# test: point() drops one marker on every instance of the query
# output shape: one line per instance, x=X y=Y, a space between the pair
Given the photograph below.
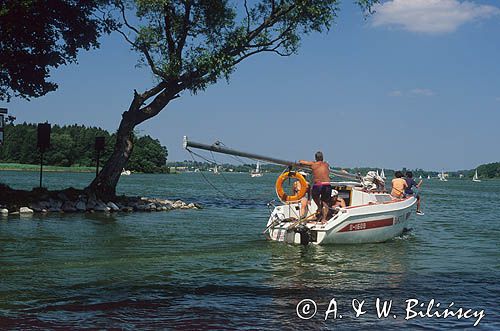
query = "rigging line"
x=206 y=179
x=211 y=162
x=233 y=156
x=225 y=179
x=200 y=156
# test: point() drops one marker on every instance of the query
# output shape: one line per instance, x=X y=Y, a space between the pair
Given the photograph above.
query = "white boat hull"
x=371 y=223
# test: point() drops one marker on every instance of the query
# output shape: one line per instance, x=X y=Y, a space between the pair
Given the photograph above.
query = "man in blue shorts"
x=321 y=190
x=409 y=191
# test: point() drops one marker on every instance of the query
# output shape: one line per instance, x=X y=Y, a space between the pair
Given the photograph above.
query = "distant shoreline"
x=46 y=168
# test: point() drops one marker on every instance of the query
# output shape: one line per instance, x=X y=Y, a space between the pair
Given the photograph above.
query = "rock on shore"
x=77 y=201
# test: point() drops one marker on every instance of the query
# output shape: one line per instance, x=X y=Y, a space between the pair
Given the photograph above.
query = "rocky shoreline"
x=18 y=202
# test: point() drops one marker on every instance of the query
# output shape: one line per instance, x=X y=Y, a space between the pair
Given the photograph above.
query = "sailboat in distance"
x=442 y=177
x=382 y=174
x=256 y=172
x=476 y=178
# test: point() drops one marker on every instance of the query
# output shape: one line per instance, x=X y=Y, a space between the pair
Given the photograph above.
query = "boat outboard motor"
x=305 y=234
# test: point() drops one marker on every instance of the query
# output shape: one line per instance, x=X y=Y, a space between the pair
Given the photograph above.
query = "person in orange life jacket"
x=398 y=185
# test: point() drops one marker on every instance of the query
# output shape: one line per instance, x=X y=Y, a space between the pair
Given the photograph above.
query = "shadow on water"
x=103 y=218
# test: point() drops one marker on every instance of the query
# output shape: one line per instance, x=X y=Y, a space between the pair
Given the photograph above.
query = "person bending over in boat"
x=398 y=185
x=337 y=202
x=410 y=182
x=321 y=190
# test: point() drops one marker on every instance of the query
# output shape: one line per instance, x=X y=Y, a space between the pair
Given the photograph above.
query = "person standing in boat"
x=410 y=182
x=322 y=189
x=305 y=201
x=398 y=185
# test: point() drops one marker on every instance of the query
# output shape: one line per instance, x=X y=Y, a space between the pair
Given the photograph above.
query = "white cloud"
x=395 y=93
x=430 y=16
x=422 y=91
x=414 y=92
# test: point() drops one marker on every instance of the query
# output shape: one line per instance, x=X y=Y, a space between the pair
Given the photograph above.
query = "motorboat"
x=369 y=217
x=125 y=172
x=371 y=214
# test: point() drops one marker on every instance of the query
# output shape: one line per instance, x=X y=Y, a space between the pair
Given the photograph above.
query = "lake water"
x=213 y=269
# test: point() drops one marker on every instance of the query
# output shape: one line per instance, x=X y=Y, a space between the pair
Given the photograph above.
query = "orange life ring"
x=279 y=186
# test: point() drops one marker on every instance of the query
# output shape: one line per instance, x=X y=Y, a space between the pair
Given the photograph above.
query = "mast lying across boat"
x=216 y=147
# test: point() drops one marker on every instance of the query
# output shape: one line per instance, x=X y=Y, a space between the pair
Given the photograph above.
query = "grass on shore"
x=36 y=167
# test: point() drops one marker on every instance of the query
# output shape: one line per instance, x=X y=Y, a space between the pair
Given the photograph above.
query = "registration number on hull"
x=357 y=226
x=368 y=225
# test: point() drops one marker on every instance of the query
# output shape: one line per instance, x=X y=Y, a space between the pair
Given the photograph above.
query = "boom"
x=216 y=147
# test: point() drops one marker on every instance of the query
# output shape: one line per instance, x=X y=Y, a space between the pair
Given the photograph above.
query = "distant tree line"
x=73 y=145
x=206 y=166
x=490 y=170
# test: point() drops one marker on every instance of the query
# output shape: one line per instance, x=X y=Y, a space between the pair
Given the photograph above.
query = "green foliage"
x=36 y=167
x=194 y=43
x=38 y=35
x=490 y=170
x=73 y=146
x=148 y=156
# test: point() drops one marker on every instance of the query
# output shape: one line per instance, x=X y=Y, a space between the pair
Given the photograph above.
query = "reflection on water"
x=213 y=269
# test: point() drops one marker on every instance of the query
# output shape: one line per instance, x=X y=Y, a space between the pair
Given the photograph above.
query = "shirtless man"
x=321 y=190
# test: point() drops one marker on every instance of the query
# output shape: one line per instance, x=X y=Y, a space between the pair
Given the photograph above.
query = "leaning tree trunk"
x=104 y=185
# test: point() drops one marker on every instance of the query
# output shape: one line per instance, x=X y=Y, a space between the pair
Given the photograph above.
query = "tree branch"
x=150 y=61
x=153 y=91
x=168 y=31
x=133 y=44
x=185 y=28
x=271 y=42
x=167 y=94
x=270 y=21
x=248 y=17
x=122 y=10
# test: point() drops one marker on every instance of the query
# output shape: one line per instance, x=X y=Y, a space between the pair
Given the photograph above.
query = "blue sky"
x=417 y=85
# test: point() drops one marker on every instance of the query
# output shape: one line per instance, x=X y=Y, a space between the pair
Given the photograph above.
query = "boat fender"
x=280 y=192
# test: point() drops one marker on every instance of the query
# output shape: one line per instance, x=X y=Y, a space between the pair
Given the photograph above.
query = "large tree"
x=190 y=44
x=39 y=35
